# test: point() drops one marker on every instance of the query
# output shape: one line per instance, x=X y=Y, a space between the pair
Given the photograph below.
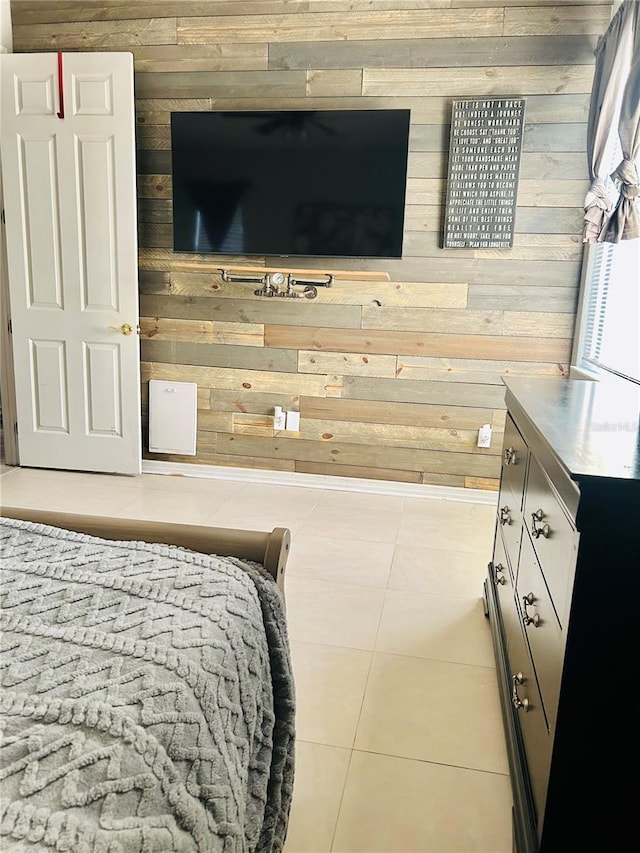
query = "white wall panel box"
x=173 y=414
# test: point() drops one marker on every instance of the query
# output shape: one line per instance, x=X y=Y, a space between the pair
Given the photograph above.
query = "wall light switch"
x=293 y=421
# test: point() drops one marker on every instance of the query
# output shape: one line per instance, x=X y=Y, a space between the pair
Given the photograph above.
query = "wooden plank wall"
x=392 y=379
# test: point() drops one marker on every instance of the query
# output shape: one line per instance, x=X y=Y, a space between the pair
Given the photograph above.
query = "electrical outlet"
x=279 y=418
x=484 y=436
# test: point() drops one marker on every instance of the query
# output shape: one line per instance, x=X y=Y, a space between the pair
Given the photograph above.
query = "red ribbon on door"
x=60 y=87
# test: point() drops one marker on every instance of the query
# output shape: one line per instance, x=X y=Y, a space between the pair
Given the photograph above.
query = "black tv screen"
x=287 y=183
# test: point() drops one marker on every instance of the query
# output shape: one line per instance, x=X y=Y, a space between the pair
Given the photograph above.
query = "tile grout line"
x=355 y=735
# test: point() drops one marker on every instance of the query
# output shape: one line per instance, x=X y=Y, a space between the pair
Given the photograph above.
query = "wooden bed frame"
x=271 y=550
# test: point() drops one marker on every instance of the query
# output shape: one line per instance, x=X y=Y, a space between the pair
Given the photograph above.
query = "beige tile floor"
x=400 y=744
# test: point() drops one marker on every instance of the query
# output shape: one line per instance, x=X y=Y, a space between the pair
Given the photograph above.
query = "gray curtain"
x=624 y=223
x=615 y=107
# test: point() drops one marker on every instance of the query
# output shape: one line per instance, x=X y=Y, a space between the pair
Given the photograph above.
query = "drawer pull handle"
x=517 y=701
x=505 y=515
x=536 y=531
x=509 y=456
x=498 y=574
x=530 y=620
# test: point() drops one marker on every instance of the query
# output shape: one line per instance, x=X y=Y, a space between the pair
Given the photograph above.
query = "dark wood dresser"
x=563 y=597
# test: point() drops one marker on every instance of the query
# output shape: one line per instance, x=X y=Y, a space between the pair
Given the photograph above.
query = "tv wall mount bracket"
x=278 y=284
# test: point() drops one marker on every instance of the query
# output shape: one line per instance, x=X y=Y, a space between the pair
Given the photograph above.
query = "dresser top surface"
x=593 y=428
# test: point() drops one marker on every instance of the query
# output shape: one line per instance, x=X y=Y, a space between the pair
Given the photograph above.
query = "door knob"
x=124 y=329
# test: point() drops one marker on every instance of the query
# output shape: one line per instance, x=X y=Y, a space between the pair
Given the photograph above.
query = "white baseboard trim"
x=320 y=481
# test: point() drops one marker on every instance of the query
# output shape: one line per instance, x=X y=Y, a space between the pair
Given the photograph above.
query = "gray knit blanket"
x=147 y=700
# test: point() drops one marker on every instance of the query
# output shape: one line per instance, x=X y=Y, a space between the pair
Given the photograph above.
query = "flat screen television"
x=290 y=183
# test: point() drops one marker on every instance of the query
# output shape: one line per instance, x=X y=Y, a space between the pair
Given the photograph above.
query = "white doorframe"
x=7 y=377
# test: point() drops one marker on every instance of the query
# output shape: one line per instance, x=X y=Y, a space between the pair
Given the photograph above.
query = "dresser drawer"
x=527 y=708
x=554 y=538
x=509 y=523
x=505 y=589
x=542 y=629
x=514 y=462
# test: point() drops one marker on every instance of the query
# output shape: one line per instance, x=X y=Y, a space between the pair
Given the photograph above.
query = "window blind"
x=601 y=263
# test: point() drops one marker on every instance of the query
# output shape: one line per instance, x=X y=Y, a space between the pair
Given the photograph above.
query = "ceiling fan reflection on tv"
x=291 y=123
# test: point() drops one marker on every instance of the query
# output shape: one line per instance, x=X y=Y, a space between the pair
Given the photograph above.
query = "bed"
x=147 y=700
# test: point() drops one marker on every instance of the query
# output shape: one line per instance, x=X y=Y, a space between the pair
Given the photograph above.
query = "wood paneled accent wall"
x=392 y=379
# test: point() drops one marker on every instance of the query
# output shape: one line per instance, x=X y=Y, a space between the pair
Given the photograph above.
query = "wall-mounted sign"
x=484 y=163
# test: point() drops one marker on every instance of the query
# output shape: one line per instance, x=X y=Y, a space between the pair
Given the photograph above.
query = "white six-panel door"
x=70 y=207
